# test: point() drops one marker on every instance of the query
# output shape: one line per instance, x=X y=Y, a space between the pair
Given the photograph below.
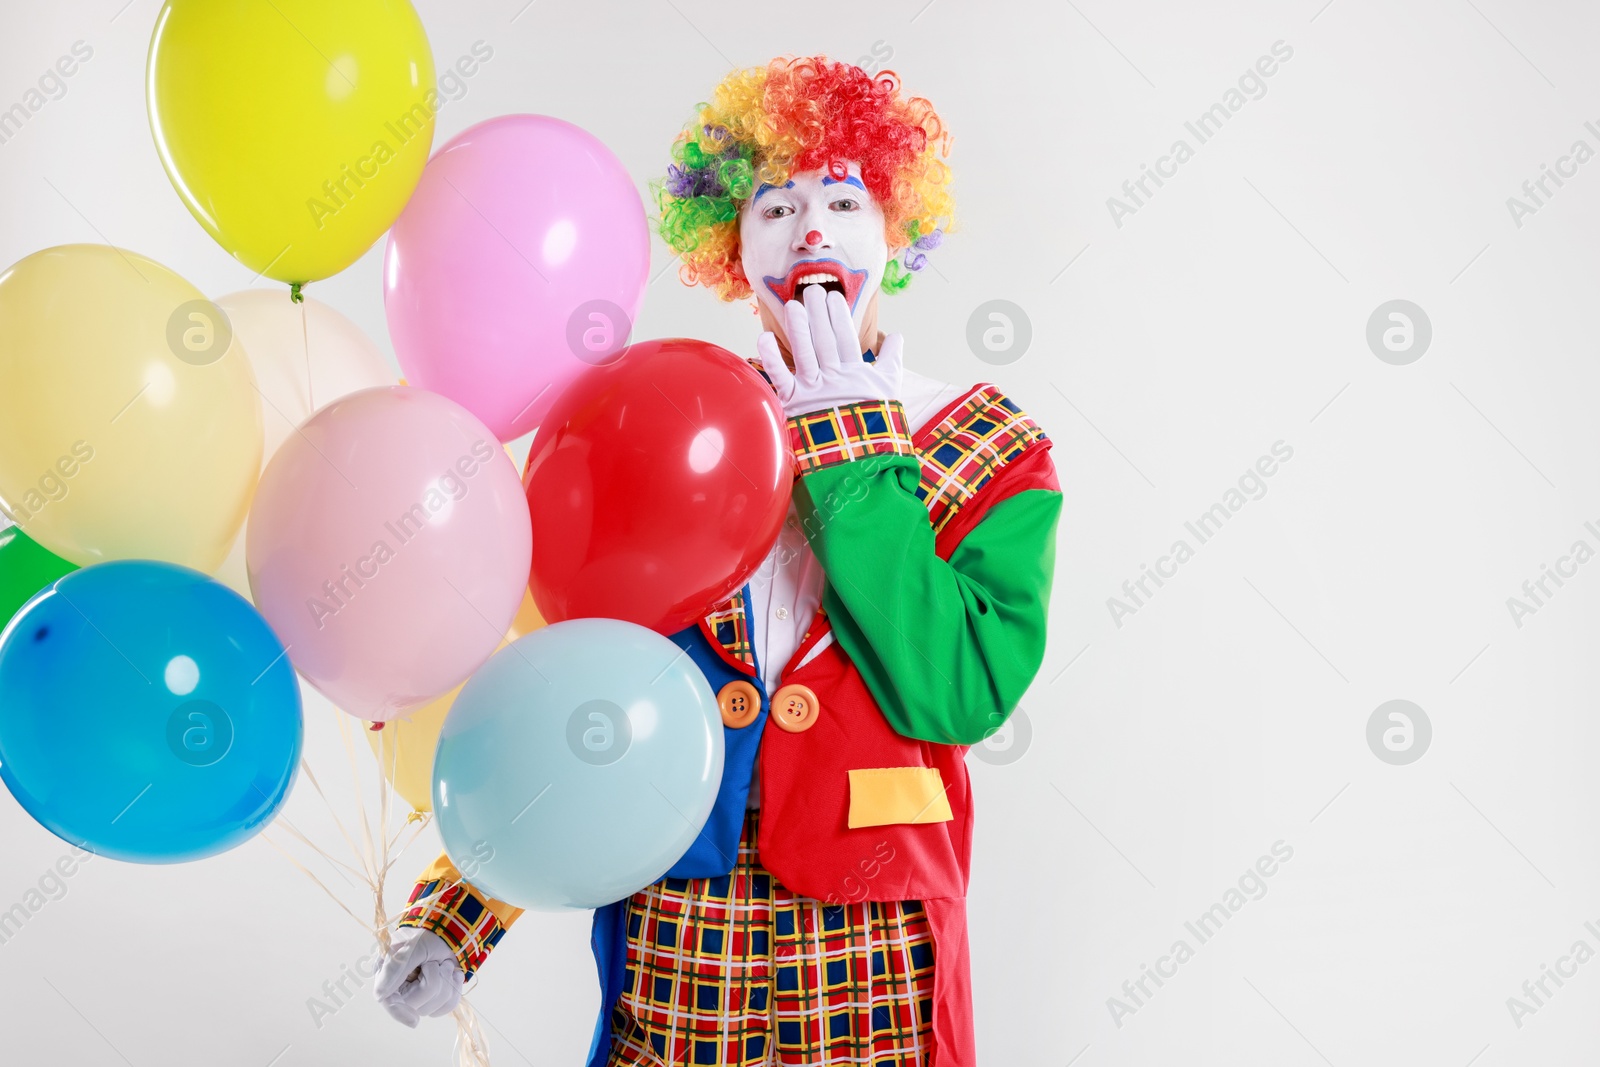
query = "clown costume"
x=820 y=915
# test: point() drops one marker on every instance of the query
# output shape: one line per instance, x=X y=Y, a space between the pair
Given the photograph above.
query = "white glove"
x=828 y=368
x=419 y=976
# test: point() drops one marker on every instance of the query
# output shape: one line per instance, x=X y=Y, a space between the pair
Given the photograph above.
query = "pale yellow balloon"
x=405 y=748
x=528 y=618
x=130 y=426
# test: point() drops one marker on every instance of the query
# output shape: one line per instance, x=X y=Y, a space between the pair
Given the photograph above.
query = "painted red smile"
x=831 y=274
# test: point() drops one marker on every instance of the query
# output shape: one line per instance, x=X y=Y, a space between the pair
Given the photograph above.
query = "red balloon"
x=657 y=484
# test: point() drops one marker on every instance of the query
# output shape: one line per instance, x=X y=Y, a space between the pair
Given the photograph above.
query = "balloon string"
x=306 y=766
x=361 y=805
x=471 y=1043
x=425 y=819
x=323 y=885
x=305 y=345
x=333 y=860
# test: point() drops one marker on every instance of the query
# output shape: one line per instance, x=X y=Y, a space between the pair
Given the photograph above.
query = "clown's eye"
x=845 y=205
x=777 y=211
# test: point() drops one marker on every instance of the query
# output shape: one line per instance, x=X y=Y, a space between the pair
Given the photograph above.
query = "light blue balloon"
x=147 y=713
x=577 y=765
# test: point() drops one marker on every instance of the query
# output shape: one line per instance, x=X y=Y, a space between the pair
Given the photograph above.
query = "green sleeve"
x=946 y=648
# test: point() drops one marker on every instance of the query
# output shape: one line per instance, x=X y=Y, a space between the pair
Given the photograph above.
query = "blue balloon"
x=577 y=765
x=147 y=713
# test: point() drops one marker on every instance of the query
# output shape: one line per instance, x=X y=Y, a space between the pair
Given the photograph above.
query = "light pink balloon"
x=389 y=547
x=510 y=268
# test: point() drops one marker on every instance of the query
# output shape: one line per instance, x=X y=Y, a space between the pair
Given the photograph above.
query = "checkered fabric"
x=967 y=447
x=737 y=970
x=457 y=915
x=957 y=457
x=728 y=627
x=837 y=435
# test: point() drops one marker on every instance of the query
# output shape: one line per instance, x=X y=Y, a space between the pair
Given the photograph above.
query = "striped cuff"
x=850 y=431
x=460 y=917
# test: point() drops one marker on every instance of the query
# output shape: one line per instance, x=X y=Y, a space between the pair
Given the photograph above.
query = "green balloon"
x=25 y=568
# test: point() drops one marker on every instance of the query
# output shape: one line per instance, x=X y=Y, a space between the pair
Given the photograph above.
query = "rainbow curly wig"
x=764 y=124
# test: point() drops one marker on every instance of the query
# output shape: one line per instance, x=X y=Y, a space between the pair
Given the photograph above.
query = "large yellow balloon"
x=130 y=425
x=405 y=746
x=294 y=130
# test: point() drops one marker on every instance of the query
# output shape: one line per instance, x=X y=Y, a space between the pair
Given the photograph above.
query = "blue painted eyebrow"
x=765 y=187
x=851 y=180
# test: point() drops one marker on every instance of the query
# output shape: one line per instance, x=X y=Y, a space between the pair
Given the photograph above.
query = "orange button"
x=795 y=708
x=740 y=703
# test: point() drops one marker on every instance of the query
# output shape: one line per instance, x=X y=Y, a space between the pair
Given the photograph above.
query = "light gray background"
x=1168 y=354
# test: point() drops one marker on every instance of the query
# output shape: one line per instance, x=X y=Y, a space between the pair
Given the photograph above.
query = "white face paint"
x=814 y=228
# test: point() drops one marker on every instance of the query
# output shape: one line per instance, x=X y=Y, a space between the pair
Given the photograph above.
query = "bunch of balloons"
x=206 y=498
x=147 y=712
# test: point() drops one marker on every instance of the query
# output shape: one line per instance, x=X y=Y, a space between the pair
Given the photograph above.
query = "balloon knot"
x=415 y=816
x=295 y=293
x=375 y=727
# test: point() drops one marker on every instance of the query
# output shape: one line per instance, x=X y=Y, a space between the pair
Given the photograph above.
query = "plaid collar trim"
x=728 y=630
x=961 y=452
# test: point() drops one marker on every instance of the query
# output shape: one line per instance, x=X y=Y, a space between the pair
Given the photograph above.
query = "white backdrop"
x=1174 y=341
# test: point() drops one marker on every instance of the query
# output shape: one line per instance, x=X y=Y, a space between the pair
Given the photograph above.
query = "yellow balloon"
x=294 y=130
x=528 y=618
x=130 y=425
x=405 y=747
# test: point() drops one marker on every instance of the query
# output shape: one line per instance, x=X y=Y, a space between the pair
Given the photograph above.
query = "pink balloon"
x=519 y=262
x=389 y=547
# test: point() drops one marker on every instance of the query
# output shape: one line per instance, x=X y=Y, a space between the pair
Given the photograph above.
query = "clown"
x=820 y=916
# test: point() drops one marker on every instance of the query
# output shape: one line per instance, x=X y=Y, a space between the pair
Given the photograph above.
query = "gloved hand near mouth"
x=829 y=370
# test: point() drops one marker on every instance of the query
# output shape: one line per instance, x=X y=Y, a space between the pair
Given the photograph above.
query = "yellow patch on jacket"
x=884 y=796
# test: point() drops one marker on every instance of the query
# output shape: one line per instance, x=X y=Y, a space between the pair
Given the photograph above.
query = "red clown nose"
x=814 y=237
